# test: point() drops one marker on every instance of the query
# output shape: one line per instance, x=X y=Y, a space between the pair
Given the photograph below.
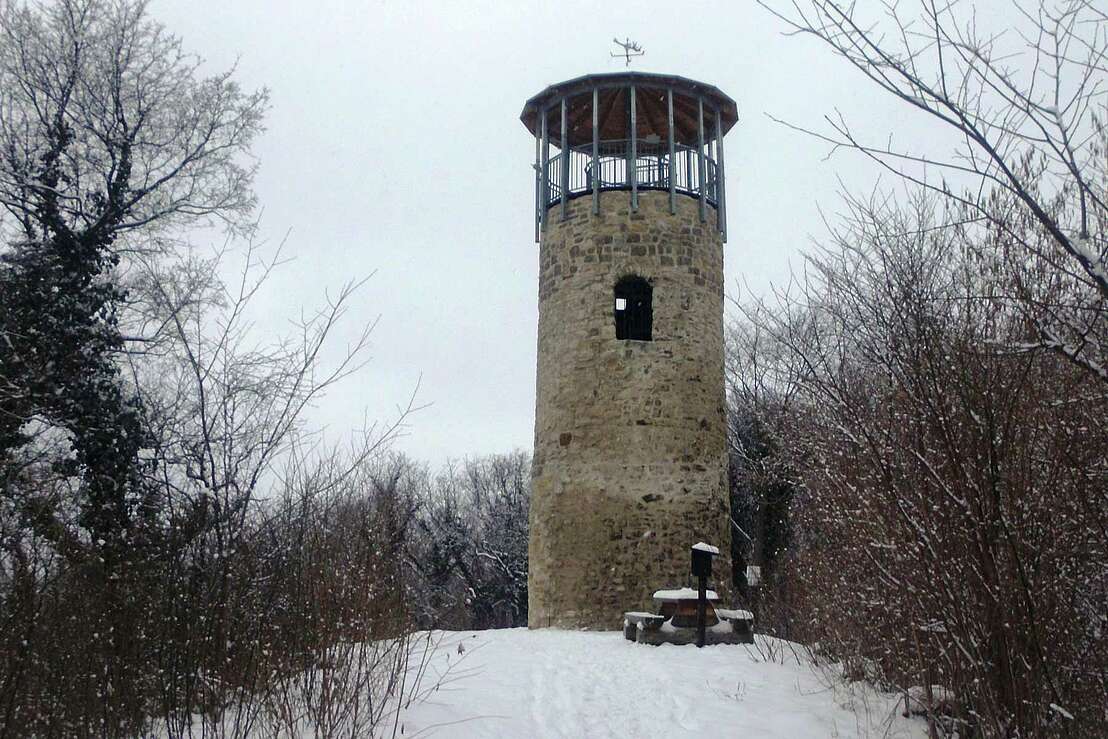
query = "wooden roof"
x=613 y=107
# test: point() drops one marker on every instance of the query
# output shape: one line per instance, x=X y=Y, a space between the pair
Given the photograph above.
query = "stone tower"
x=630 y=460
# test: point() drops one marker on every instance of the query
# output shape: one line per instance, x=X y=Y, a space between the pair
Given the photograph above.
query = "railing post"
x=545 y=168
x=538 y=185
x=565 y=162
x=595 y=152
x=632 y=173
x=700 y=155
x=672 y=157
x=721 y=192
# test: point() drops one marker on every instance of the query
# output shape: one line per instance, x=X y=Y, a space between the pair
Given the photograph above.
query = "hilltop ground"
x=550 y=683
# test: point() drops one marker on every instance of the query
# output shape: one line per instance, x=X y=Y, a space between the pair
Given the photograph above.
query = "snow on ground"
x=550 y=683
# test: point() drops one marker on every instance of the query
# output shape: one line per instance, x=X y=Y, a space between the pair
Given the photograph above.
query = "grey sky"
x=394 y=146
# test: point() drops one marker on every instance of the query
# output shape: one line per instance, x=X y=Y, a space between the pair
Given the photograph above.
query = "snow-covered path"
x=550 y=683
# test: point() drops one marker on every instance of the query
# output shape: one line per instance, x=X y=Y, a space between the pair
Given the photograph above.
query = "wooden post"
x=701 y=609
x=929 y=693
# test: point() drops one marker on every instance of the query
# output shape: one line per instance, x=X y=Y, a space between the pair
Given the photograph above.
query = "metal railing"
x=653 y=170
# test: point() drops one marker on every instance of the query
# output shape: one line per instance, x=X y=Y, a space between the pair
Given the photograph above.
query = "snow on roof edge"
x=683 y=594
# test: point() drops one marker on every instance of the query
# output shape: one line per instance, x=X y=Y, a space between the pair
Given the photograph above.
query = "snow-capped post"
x=702 y=569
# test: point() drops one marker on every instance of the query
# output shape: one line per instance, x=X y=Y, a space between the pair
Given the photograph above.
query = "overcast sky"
x=394 y=148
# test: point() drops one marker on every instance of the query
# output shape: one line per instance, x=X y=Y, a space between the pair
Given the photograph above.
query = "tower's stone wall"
x=630 y=462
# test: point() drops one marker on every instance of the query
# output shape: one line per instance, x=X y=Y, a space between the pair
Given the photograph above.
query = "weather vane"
x=630 y=49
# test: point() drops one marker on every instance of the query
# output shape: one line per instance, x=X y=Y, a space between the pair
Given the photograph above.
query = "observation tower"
x=630 y=458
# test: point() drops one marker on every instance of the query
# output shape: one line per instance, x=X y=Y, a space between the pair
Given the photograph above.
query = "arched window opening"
x=634 y=310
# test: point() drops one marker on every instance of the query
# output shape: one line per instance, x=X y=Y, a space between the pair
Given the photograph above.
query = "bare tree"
x=109 y=128
x=142 y=420
x=951 y=522
x=761 y=472
x=109 y=137
x=470 y=553
x=1027 y=106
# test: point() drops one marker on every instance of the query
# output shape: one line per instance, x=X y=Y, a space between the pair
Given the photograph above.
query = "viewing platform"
x=629 y=131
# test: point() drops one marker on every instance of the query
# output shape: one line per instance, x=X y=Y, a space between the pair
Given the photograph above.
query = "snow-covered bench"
x=741 y=621
x=635 y=620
